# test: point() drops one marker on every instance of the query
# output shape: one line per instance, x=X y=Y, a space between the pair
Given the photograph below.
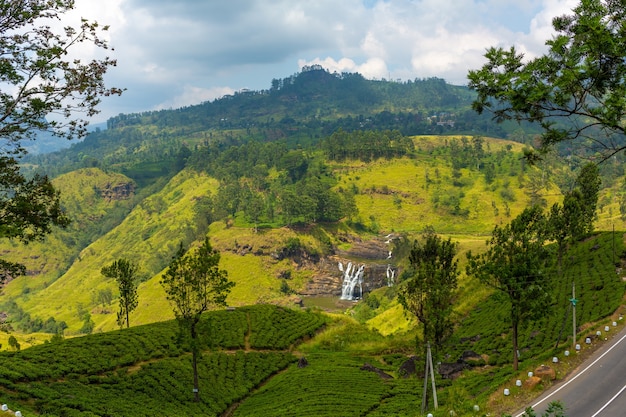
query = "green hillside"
x=287 y=183
x=401 y=195
x=143 y=371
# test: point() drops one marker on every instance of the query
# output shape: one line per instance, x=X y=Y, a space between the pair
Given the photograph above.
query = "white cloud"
x=175 y=52
x=194 y=95
x=541 y=25
x=373 y=68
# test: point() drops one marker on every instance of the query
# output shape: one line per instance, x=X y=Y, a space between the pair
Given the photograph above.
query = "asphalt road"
x=597 y=388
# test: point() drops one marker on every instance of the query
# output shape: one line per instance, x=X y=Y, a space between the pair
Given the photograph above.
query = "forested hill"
x=324 y=100
x=282 y=180
x=298 y=111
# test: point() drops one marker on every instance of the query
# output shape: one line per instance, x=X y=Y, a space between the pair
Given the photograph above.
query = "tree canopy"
x=513 y=265
x=42 y=88
x=124 y=273
x=575 y=91
x=40 y=76
x=429 y=290
x=194 y=283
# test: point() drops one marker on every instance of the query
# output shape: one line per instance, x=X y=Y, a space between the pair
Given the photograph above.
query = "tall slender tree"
x=429 y=290
x=124 y=273
x=194 y=284
x=589 y=182
x=573 y=219
x=513 y=265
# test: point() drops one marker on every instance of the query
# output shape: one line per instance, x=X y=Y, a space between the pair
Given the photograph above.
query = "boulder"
x=380 y=372
x=545 y=372
x=408 y=367
x=472 y=358
x=451 y=370
x=532 y=382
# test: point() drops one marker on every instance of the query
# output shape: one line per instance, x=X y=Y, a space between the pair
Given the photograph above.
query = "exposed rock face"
x=468 y=359
x=408 y=367
x=374 y=254
x=329 y=279
x=119 y=191
x=373 y=250
x=452 y=370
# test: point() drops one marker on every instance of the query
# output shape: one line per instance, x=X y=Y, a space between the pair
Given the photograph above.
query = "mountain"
x=318 y=171
x=285 y=181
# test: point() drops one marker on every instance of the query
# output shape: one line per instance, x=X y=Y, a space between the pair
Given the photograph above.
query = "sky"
x=172 y=53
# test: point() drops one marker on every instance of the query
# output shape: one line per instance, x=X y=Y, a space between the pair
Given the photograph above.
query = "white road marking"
x=577 y=375
x=609 y=402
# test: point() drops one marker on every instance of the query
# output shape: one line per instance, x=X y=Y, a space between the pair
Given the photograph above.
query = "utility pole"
x=429 y=369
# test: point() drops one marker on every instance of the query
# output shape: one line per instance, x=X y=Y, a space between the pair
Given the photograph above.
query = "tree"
x=513 y=265
x=574 y=218
x=14 y=343
x=565 y=222
x=194 y=284
x=576 y=90
x=589 y=182
x=40 y=76
x=428 y=293
x=28 y=210
x=124 y=272
x=43 y=88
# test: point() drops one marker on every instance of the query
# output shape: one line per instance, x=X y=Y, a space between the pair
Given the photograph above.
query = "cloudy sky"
x=177 y=53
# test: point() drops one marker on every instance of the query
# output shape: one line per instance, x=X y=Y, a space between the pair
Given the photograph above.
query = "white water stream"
x=352 y=276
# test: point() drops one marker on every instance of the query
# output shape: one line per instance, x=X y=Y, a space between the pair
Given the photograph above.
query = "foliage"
x=28 y=210
x=13 y=343
x=24 y=322
x=40 y=81
x=590 y=264
x=576 y=90
x=573 y=219
x=124 y=273
x=588 y=182
x=366 y=145
x=143 y=371
x=194 y=284
x=360 y=392
x=428 y=292
x=555 y=409
x=35 y=64
x=513 y=265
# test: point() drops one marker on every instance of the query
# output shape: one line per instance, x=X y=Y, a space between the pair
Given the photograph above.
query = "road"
x=597 y=388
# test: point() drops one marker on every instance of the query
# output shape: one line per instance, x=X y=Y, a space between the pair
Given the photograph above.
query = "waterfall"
x=391 y=273
x=352 y=276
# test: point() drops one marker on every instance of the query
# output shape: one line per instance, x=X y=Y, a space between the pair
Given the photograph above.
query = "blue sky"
x=177 y=53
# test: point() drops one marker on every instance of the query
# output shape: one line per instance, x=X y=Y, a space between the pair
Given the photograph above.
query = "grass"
x=393 y=195
x=408 y=194
x=402 y=195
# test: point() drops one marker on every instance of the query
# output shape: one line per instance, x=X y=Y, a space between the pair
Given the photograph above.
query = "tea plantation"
x=265 y=360
x=143 y=371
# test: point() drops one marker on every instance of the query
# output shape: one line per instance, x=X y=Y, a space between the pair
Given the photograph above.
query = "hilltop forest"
x=319 y=170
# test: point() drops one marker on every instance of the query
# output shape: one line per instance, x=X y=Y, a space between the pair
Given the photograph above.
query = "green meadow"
x=250 y=362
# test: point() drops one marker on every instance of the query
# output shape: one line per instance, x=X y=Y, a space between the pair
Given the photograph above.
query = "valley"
x=288 y=185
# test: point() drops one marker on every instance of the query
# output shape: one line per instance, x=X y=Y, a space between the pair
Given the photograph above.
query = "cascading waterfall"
x=352 y=276
x=391 y=274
